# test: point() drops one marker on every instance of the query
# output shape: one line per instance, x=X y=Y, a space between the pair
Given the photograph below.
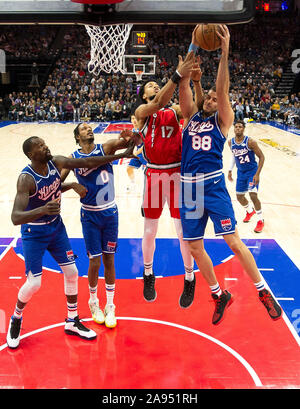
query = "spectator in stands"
x=69 y=110
x=34 y=76
x=275 y=109
x=77 y=107
x=52 y=114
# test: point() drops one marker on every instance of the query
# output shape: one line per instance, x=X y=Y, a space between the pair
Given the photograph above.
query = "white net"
x=107 y=47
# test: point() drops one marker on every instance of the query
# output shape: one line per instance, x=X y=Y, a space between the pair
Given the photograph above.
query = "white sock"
x=215 y=289
x=18 y=312
x=93 y=293
x=110 y=292
x=72 y=310
x=189 y=273
x=148 y=268
x=260 y=285
x=259 y=215
x=249 y=208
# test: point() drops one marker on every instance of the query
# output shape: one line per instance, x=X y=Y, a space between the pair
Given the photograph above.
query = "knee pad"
x=30 y=287
x=70 y=279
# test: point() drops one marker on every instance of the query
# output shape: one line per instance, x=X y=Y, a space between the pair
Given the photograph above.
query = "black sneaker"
x=73 y=326
x=187 y=296
x=271 y=305
x=13 y=333
x=222 y=302
x=149 y=290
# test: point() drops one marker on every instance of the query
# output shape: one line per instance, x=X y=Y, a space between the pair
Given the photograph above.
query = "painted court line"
x=235 y=354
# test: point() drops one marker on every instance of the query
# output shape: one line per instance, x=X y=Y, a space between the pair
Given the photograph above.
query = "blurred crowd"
x=259 y=54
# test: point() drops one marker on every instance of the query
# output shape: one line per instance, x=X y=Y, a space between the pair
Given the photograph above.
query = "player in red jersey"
x=161 y=135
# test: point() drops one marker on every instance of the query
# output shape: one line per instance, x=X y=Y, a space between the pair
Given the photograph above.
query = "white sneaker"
x=96 y=312
x=13 y=333
x=73 y=326
x=110 y=318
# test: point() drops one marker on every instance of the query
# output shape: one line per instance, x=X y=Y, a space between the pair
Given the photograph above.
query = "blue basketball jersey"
x=98 y=181
x=244 y=157
x=47 y=188
x=202 y=148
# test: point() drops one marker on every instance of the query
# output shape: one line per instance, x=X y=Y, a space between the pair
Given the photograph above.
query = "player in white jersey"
x=204 y=135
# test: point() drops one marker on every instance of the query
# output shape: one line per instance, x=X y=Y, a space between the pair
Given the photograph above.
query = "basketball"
x=207 y=38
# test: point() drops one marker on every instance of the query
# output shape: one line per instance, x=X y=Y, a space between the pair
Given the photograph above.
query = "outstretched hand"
x=129 y=151
x=224 y=35
x=128 y=135
x=185 y=66
x=196 y=71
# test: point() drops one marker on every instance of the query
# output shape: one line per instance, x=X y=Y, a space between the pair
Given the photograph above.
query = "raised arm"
x=226 y=115
x=165 y=94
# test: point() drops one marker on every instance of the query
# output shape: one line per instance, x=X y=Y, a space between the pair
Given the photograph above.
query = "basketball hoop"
x=107 y=47
x=139 y=75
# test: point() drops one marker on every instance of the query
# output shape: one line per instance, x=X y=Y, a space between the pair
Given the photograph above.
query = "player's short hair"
x=239 y=121
x=27 y=145
x=213 y=89
x=140 y=99
x=76 y=132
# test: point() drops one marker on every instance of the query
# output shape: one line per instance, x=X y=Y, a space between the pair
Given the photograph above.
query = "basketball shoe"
x=271 y=305
x=187 y=296
x=248 y=216
x=13 y=333
x=259 y=227
x=73 y=326
x=221 y=303
x=96 y=312
x=149 y=289
x=110 y=318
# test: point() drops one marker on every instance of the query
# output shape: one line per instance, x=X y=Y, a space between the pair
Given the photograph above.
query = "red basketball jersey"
x=162 y=139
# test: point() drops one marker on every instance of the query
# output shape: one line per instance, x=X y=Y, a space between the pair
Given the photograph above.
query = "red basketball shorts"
x=161 y=186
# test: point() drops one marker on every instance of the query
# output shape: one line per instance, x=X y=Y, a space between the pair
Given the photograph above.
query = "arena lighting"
x=266 y=7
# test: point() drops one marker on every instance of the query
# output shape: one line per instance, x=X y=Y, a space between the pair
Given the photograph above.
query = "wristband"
x=193 y=47
x=176 y=77
x=135 y=130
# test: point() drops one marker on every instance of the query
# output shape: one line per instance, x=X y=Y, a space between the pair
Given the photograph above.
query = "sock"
x=260 y=286
x=249 y=208
x=189 y=273
x=93 y=293
x=148 y=269
x=72 y=310
x=215 y=289
x=259 y=215
x=110 y=292
x=18 y=312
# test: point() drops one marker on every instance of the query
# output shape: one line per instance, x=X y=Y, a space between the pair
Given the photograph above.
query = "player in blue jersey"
x=244 y=150
x=203 y=190
x=99 y=217
x=37 y=209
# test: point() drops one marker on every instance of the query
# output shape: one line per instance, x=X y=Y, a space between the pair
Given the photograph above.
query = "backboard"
x=128 y=11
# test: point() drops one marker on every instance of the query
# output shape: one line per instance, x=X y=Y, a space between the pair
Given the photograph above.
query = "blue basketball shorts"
x=244 y=183
x=100 y=231
x=202 y=200
x=137 y=163
x=37 y=238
